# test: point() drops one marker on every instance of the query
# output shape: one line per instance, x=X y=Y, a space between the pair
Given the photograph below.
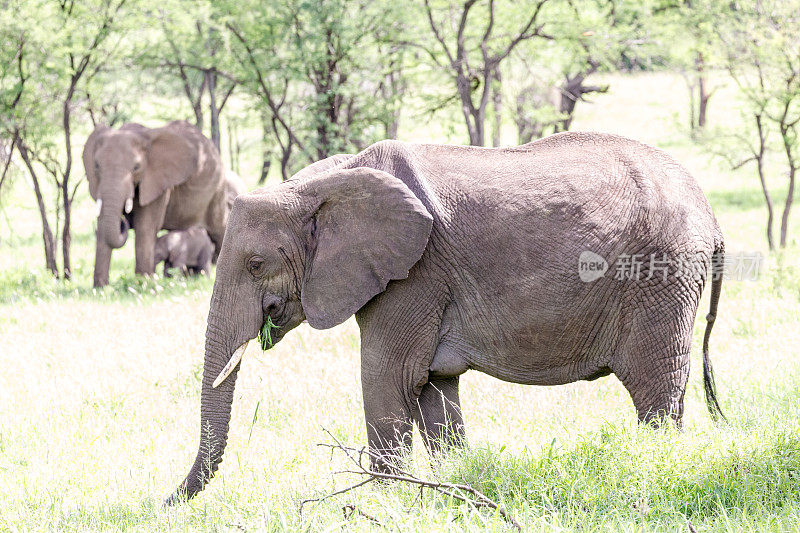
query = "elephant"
x=455 y=258
x=152 y=179
x=188 y=251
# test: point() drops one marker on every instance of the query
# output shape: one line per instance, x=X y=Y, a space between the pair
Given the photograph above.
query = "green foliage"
x=640 y=475
x=317 y=72
x=112 y=381
x=762 y=57
x=265 y=334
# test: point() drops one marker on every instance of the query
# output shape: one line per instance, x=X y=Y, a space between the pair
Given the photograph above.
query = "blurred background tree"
x=279 y=84
x=53 y=52
x=760 y=42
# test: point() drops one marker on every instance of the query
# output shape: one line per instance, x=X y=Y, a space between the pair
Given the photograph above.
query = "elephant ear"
x=366 y=228
x=89 y=149
x=171 y=160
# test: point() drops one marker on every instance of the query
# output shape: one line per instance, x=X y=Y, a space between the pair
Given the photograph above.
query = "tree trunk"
x=328 y=118
x=66 y=232
x=768 y=200
x=47 y=233
x=286 y=148
x=211 y=83
x=393 y=126
x=788 y=147
x=762 y=148
x=787 y=208
x=198 y=115
x=497 y=107
x=571 y=91
x=66 y=235
x=702 y=90
x=8 y=159
x=266 y=154
x=285 y=156
x=266 y=163
x=471 y=117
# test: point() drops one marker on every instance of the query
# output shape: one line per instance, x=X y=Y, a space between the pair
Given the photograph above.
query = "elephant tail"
x=717 y=267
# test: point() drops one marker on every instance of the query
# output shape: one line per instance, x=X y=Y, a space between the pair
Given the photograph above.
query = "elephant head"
x=315 y=249
x=128 y=169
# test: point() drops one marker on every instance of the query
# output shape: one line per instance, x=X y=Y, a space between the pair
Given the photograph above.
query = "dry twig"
x=351 y=508
x=464 y=493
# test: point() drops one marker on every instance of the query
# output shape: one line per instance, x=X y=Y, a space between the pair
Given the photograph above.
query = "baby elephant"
x=190 y=251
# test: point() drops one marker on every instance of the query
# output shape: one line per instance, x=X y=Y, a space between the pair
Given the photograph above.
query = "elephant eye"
x=136 y=167
x=255 y=265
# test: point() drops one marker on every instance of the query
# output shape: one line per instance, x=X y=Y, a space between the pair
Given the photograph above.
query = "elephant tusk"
x=99 y=207
x=128 y=205
x=235 y=358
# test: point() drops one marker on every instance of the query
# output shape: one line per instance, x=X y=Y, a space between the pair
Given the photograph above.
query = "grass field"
x=99 y=397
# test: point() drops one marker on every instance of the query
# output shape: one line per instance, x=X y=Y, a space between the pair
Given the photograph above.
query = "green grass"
x=99 y=396
x=265 y=335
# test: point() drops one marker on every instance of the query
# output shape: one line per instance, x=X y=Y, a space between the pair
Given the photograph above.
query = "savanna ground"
x=99 y=397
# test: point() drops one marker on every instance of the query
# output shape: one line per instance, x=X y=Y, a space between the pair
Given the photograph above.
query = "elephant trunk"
x=113 y=226
x=215 y=412
x=112 y=232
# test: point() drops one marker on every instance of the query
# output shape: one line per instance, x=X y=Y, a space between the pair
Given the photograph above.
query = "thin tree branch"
x=437 y=33
x=8 y=160
x=225 y=98
x=464 y=493
x=265 y=89
x=526 y=32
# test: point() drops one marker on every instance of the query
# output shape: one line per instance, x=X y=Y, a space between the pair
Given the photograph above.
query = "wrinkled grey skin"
x=455 y=258
x=174 y=178
x=188 y=251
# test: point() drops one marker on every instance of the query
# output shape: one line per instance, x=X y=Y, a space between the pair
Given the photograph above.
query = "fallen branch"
x=464 y=493
x=351 y=508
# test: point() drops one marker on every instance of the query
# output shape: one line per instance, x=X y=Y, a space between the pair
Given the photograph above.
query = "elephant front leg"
x=387 y=410
x=438 y=415
x=147 y=220
x=399 y=335
x=102 y=262
x=393 y=376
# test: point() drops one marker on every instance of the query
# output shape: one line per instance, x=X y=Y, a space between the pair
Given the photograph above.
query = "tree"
x=320 y=73
x=688 y=28
x=588 y=36
x=763 y=58
x=54 y=53
x=258 y=55
x=19 y=53
x=192 y=48
x=473 y=52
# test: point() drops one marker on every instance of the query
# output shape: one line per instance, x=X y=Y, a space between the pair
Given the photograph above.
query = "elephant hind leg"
x=658 y=389
x=653 y=360
x=438 y=415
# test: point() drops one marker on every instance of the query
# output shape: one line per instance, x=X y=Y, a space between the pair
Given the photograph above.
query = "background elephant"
x=188 y=251
x=151 y=179
x=457 y=258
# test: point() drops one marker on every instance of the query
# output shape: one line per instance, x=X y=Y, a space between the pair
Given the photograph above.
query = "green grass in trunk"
x=265 y=335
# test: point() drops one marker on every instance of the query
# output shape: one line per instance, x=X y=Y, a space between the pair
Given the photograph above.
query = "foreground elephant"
x=152 y=179
x=456 y=258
